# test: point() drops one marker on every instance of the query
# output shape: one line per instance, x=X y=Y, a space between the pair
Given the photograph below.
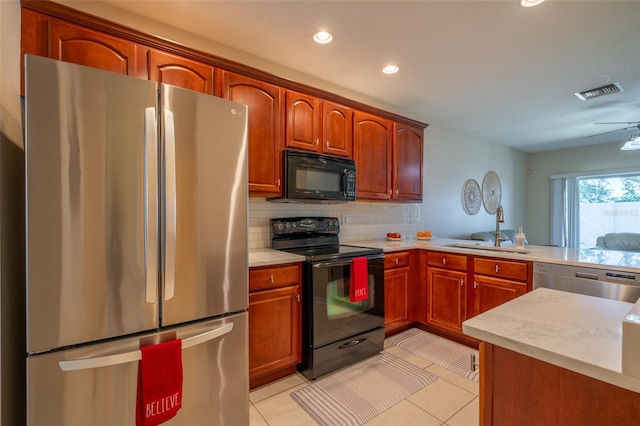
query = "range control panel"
x=299 y=225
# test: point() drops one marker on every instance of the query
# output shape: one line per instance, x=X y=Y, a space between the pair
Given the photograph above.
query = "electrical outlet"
x=344 y=219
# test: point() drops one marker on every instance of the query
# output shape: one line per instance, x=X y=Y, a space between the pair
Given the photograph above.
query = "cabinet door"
x=175 y=70
x=396 y=286
x=265 y=130
x=407 y=164
x=274 y=330
x=446 y=298
x=372 y=153
x=490 y=292
x=71 y=43
x=337 y=135
x=303 y=122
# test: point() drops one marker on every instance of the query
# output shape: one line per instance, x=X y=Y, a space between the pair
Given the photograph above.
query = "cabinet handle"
x=397 y=191
x=327 y=144
x=474 y=364
x=462 y=281
x=298 y=297
x=317 y=142
x=278 y=183
x=396 y=260
x=271 y=278
x=444 y=260
x=497 y=268
x=475 y=284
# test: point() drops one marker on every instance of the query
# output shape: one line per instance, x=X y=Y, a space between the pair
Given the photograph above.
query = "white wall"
x=544 y=164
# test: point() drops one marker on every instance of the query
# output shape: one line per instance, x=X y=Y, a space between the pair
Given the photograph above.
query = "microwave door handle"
x=344 y=182
x=150 y=205
x=170 y=205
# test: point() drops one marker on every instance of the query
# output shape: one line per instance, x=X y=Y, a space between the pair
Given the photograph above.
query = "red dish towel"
x=159 y=383
x=359 y=280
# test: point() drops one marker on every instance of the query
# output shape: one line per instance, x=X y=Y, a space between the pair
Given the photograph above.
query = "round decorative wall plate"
x=491 y=192
x=471 y=198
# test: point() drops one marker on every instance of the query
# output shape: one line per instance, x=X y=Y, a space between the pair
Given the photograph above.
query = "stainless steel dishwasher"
x=605 y=283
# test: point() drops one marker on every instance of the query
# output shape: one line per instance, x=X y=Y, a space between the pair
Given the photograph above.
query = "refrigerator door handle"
x=123 y=358
x=151 y=204
x=170 y=205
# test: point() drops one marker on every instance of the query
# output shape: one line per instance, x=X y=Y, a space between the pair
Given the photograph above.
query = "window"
x=585 y=207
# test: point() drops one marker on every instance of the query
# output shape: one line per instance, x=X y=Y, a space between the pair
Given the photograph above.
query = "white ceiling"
x=492 y=68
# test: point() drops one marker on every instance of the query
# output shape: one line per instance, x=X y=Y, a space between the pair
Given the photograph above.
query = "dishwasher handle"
x=587 y=276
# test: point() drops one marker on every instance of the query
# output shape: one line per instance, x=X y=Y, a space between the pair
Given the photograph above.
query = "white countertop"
x=572 y=331
x=268 y=257
x=604 y=259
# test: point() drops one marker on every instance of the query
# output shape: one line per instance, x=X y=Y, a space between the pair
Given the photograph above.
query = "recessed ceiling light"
x=530 y=3
x=390 y=69
x=322 y=37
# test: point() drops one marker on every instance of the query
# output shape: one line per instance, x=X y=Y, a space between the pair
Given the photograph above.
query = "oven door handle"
x=343 y=263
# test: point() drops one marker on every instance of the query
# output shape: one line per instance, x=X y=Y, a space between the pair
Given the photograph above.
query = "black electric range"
x=316 y=238
x=336 y=331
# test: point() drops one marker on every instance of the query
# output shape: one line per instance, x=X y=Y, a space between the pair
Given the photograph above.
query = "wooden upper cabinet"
x=317 y=125
x=337 y=134
x=303 y=129
x=407 y=164
x=266 y=127
x=178 y=71
x=71 y=43
x=372 y=136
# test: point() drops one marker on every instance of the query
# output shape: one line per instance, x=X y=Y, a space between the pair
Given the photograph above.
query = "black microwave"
x=314 y=178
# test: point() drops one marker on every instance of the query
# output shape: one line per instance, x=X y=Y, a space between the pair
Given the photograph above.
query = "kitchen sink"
x=492 y=248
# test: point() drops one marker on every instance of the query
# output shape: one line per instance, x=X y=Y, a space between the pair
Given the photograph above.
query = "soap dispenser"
x=520 y=237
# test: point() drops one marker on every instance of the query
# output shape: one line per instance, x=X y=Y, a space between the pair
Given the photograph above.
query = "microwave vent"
x=600 y=91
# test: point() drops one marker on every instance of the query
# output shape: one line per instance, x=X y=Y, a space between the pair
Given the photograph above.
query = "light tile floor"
x=452 y=400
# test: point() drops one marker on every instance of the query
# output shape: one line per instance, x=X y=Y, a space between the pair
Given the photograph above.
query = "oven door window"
x=338 y=295
x=334 y=316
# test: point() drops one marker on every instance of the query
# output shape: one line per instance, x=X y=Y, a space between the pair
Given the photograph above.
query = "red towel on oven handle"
x=359 y=288
x=159 y=383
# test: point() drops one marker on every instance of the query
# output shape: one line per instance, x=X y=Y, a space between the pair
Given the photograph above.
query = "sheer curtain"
x=565 y=212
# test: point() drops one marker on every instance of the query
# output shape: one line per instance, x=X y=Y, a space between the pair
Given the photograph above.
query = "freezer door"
x=91 y=176
x=215 y=379
x=205 y=206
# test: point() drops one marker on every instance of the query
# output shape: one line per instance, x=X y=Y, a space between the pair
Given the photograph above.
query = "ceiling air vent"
x=600 y=91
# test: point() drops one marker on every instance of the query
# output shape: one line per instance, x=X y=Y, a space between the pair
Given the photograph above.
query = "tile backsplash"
x=359 y=221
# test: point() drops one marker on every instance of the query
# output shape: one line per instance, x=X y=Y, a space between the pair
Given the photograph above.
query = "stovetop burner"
x=316 y=238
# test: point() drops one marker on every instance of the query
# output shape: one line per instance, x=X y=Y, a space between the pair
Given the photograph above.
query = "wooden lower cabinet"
x=274 y=323
x=446 y=299
x=516 y=389
x=446 y=290
x=496 y=281
x=397 y=275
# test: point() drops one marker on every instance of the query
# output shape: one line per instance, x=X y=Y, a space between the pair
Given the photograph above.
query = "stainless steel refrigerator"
x=136 y=234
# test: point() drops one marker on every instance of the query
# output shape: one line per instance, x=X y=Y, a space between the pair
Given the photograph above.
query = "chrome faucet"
x=499 y=218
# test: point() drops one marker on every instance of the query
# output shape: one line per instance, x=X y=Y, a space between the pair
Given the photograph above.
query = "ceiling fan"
x=633 y=125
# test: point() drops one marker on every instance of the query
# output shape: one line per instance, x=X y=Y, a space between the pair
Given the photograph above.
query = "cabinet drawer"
x=396 y=259
x=447 y=260
x=274 y=276
x=500 y=268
